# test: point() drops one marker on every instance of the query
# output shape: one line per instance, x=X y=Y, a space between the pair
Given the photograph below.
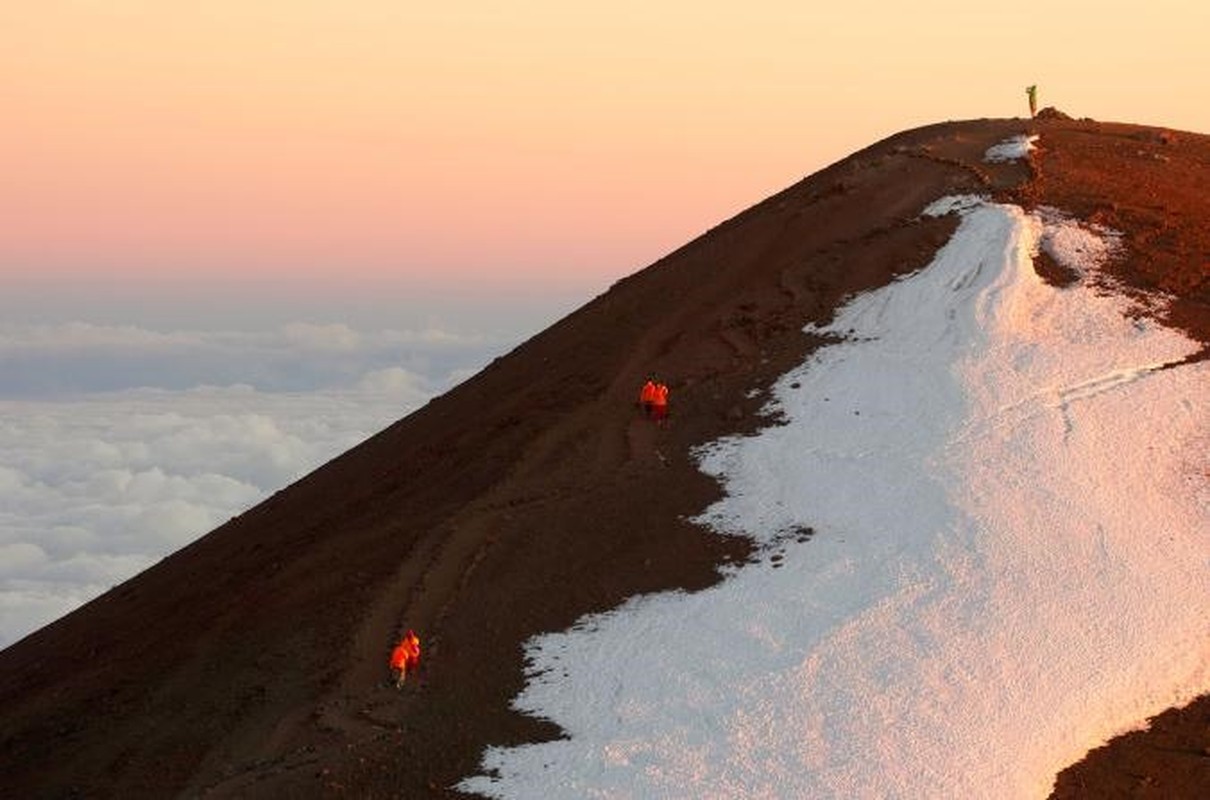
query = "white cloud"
x=340 y=337
x=19 y=558
x=195 y=428
x=392 y=380
x=75 y=357
x=98 y=487
x=77 y=336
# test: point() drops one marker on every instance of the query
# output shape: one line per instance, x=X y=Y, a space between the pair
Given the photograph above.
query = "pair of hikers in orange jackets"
x=653 y=398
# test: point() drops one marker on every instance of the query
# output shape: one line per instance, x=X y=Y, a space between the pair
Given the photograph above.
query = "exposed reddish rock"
x=1051 y=113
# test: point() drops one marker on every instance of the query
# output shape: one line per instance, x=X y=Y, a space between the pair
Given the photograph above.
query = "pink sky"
x=535 y=141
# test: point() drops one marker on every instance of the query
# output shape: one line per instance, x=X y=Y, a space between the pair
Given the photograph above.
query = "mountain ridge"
x=252 y=662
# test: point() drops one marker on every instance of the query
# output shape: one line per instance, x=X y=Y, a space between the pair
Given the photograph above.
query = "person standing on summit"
x=1032 y=91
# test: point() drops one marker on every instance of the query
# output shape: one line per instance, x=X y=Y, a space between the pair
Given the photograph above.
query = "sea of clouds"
x=119 y=444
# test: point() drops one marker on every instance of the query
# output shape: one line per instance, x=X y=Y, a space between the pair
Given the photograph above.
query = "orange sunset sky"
x=535 y=142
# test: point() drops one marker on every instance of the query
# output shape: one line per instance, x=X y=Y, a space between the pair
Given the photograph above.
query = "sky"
x=302 y=219
x=444 y=153
x=950 y=516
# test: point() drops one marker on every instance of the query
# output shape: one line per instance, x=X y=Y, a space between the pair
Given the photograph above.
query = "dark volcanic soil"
x=253 y=663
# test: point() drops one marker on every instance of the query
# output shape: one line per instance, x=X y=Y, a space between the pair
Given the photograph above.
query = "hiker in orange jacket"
x=659 y=404
x=405 y=657
x=647 y=396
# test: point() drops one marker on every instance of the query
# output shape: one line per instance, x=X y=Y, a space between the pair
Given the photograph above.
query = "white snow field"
x=1009 y=566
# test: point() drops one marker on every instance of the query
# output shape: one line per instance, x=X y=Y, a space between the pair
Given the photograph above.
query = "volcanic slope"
x=253 y=662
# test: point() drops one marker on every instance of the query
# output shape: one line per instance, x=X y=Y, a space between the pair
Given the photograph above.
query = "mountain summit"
x=534 y=496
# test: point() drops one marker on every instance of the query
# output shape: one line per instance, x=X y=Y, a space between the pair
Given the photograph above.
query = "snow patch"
x=1013 y=149
x=1077 y=246
x=1081 y=247
x=1008 y=566
x=954 y=204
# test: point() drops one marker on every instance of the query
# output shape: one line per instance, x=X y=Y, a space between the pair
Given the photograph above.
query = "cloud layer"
x=119 y=444
x=52 y=360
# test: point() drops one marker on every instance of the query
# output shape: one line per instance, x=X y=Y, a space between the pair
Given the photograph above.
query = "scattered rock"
x=1050 y=112
x=1157 y=137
